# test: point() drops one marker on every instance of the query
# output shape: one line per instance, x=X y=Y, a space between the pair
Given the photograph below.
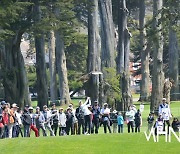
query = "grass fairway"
x=92 y=144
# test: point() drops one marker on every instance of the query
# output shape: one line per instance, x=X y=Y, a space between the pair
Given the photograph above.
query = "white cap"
x=30 y=108
x=164 y=99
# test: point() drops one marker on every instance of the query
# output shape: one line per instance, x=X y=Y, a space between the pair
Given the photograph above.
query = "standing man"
x=80 y=116
x=26 y=118
x=96 y=115
x=164 y=110
x=47 y=115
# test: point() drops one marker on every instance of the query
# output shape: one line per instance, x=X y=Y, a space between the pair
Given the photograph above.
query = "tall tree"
x=107 y=34
x=144 y=85
x=52 y=66
x=123 y=55
x=94 y=61
x=14 y=73
x=157 y=73
x=42 y=88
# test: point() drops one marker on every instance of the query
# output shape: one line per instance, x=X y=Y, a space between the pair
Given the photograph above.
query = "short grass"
x=92 y=144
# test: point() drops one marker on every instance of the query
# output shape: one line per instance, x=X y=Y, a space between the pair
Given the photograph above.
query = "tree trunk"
x=94 y=62
x=52 y=66
x=42 y=88
x=145 y=85
x=123 y=56
x=62 y=70
x=158 y=75
x=174 y=64
x=107 y=34
x=14 y=73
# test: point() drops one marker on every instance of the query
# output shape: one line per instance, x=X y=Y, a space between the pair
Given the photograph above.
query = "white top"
x=130 y=115
x=74 y=117
x=18 y=116
x=105 y=111
x=62 y=119
x=165 y=111
x=85 y=106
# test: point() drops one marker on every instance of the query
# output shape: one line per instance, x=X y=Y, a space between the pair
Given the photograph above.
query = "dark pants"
x=168 y=123
x=16 y=131
x=87 y=123
x=95 y=123
x=62 y=131
x=55 y=128
x=69 y=126
x=137 y=127
x=1 y=132
x=26 y=130
x=131 y=125
x=80 y=124
x=120 y=128
x=106 y=124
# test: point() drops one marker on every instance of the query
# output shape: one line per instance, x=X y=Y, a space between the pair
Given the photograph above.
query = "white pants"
x=10 y=129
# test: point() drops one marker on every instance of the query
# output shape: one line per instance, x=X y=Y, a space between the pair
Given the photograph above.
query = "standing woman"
x=130 y=119
x=62 y=122
x=105 y=113
x=138 y=121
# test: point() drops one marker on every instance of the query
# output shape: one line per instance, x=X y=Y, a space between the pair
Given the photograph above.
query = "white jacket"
x=62 y=119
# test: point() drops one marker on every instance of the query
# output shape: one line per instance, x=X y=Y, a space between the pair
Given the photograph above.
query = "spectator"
x=130 y=119
x=11 y=121
x=62 y=122
x=47 y=115
x=55 y=121
x=150 y=121
x=120 y=121
x=176 y=125
x=75 y=120
x=105 y=111
x=114 y=121
x=26 y=118
x=80 y=117
x=138 y=121
x=96 y=115
x=33 y=123
x=69 y=121
x=40 y=120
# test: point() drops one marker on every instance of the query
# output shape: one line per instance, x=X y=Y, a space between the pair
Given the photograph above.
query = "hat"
x=37 y=107
x=27 y=106
x=45 y=106
x=69 y=108
x=3 y=103
x=30 y=108
x=105 y=104
x=61 y=108
x=14 y=105
x=95 y=101
x=164 y=99
x=114 y=111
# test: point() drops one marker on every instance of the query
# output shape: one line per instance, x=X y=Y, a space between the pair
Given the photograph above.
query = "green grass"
x=92 y=144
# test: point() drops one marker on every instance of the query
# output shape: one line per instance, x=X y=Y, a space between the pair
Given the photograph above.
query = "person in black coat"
x=26 y=119
x=137 y=121
x=176 y=124
x=69 y=121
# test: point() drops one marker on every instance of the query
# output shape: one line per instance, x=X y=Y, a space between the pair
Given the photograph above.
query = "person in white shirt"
x=75 y=121
x=87 y=115
x=105 y=113
x=47 y=115
x=130 y=119
x=164 y=110
x=62 y=122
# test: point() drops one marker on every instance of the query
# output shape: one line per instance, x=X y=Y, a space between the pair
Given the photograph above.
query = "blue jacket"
x=120 y=120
